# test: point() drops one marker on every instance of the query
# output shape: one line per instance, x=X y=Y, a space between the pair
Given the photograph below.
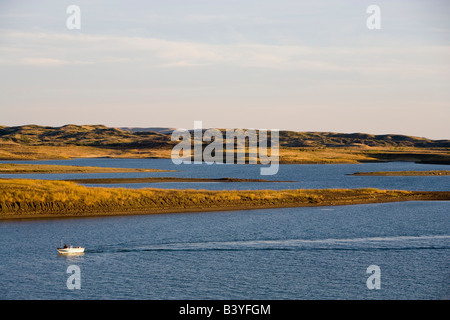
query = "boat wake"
x=441 y=242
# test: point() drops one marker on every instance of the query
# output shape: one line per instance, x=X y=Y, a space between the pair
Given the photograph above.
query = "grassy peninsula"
x=164 y=179
x=24 y=198
x=22 y=168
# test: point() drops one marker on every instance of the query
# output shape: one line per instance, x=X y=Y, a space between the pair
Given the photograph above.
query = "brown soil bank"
x=21 y=198
x=404 y=173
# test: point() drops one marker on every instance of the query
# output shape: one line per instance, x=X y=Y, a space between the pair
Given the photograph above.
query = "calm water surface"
x=291 y=253
x=302 y=176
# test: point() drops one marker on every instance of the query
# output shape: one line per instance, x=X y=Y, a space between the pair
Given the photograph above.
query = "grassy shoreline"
x=23 y=168
x=23 y=198
x=292 y=155
x=164 y=179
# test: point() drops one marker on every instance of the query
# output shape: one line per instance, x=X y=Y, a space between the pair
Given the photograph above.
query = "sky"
x=268 y=64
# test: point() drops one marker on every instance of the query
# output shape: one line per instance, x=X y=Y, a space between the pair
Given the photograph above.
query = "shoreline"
x=356 y=157
x=164 y=179
x=287 y=155
x=24 y=168
x=24 y=199
x=196 y=210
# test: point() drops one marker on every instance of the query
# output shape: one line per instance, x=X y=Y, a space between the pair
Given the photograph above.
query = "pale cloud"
x=306 y=65
x=57 y=49
x=46 y=62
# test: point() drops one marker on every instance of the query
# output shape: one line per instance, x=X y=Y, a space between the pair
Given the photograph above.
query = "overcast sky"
x=273 y=64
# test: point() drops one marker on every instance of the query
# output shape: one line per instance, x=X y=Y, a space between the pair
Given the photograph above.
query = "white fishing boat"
x=70 y=250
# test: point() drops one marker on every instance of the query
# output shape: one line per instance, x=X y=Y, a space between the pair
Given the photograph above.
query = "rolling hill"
x=43 y=142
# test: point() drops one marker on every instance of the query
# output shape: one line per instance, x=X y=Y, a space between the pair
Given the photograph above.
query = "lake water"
x=290 y=253
x=302 y=176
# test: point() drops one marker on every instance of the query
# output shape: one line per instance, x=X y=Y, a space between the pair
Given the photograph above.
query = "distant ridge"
x=151 y=129
x=333 y=139
x=84 y=135
x=159 y=137
x=33 y=142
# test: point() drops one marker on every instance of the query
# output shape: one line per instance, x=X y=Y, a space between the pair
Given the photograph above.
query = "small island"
x=404 y=173
x=164 y=179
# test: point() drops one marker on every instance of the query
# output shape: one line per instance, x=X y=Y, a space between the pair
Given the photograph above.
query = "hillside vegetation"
x=69 y=141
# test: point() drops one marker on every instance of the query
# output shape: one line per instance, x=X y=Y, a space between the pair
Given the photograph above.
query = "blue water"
x=308 y=176
x=290 y=253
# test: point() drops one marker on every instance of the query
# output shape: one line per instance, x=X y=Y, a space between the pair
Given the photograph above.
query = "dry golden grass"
x=71 y=141
x=19 y=197
x=24 y=152
x=358 y=155
x=292 y=155
x=322 y=156
x=12 y=168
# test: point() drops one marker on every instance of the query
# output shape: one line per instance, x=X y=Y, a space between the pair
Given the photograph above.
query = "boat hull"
x=70 y=250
